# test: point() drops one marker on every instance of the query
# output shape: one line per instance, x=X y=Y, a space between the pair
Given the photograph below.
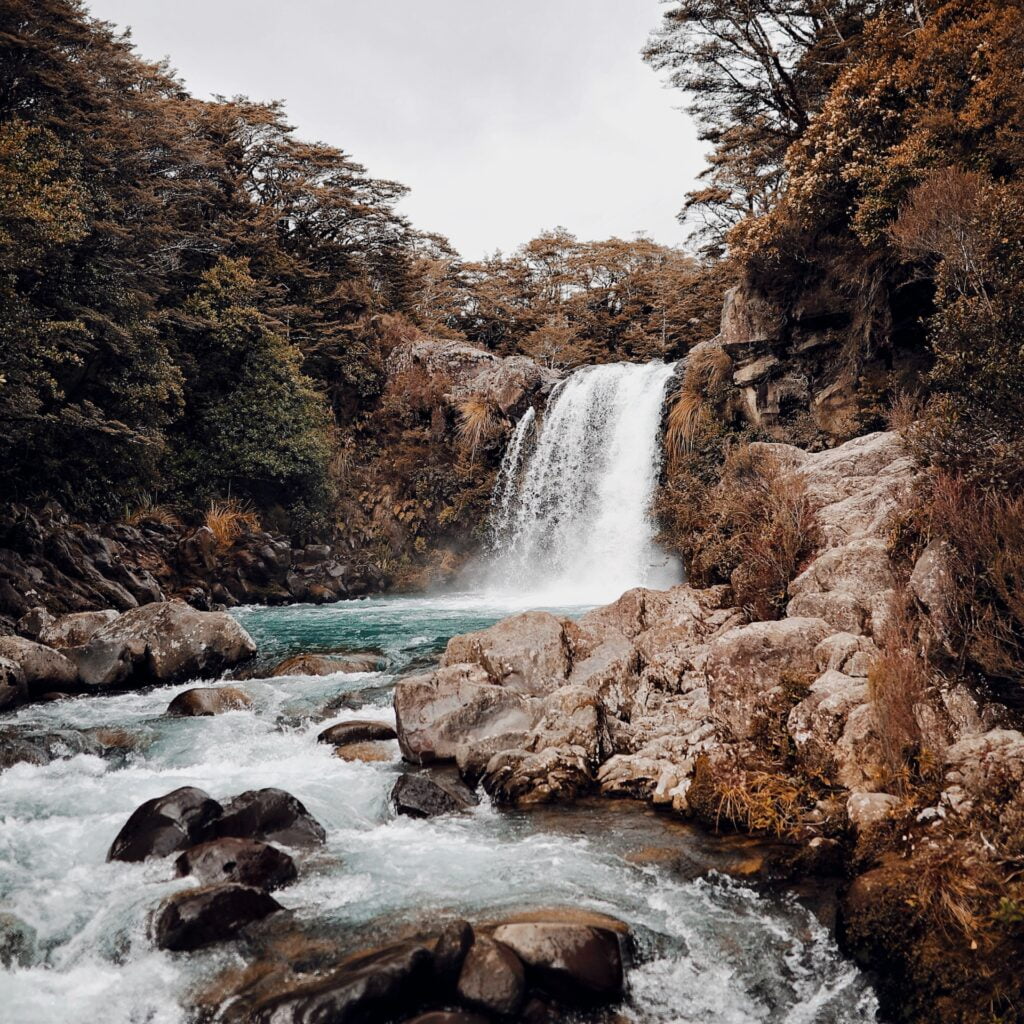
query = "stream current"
x=709 y=949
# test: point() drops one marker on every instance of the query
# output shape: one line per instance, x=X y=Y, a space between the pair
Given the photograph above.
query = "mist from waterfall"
x=571 y=520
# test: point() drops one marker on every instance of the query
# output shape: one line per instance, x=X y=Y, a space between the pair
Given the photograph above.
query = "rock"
x=357 y=731
x=243 y=861
x=13 y=690
x=933 y=584
x=847 y=653
x=520 y=778
x=378 y=751
x=420 y=796
x=527 y=653
x=458 y=704
x=43 y=668
x=33 y=622
x=75 y=629
x=166 y=824
x=194 y=918
x=166 y=642
x=17 y=942
x=492 y=978
x=450 y=951
x=576 y=963
x=208 y=700
x=868 y=809
x=747 y=665
x=448 y=1017
x=978 y=766
x=858 y=755
x=326 y=665
x=816 y=724
x=371 y=987
x=271 y=815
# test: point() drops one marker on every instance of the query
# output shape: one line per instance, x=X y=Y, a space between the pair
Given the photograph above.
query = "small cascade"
x=571 y=521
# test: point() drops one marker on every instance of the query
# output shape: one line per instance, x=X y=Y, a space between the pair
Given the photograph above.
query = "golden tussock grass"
x=708 y=373
x=230 y=519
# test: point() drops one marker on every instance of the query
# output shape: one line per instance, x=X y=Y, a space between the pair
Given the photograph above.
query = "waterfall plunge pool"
x=710 y=949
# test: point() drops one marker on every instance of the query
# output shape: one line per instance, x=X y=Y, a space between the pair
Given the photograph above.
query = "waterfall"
x=572 y=518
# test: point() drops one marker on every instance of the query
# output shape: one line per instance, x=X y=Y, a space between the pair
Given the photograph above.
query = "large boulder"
x=44 y=669
x=817 y=722
x=527 y=653
x=166 y=824
x=519 y=778
x=244 y=861
x=271 y=815
x=456 y=705
x=166 y=642
x=203 y=701
x=492 y=978
x=197 y=917
x=423 y=796
x=748 y=667
x=576 y=963
x=76 y=628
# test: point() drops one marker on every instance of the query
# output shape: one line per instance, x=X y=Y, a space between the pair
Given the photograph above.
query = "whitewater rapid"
x=709 y=950
x=572 y=522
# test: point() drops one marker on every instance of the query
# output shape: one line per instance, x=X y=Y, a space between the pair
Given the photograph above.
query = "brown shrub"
x=984 y=533
x=761 y=530
x=478 y=423
x=229 y=520
x=702 y=396
x=898 y=683
x=151 y=511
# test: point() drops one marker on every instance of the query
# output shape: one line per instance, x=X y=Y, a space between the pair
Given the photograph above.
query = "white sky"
x=504 y=117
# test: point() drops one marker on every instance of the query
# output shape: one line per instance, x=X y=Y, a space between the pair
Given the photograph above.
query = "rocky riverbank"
x=778 y=726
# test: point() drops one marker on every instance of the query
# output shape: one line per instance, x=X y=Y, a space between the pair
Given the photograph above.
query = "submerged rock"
x=164 y=825
x=245 y=861
x=421 y=796
x=370 y=751
x=328 y=664
x=17 y=942
x=197 y=917
x=39 y=748
x=272 y=815
x=208 y=700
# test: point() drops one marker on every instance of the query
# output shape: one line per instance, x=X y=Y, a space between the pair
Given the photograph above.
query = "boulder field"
x=679 y=699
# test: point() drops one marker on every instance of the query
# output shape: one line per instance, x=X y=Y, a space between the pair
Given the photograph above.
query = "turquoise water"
x=709 y=949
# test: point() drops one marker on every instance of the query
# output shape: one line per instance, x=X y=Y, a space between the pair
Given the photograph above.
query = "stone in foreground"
x=243 y=861
x=197 y=917
x=169 y=823
x=271 y=815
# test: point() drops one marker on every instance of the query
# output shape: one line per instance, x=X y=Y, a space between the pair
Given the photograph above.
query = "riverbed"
x=709 y=948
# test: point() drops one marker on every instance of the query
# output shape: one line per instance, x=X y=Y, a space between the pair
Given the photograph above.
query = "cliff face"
x=826 y=360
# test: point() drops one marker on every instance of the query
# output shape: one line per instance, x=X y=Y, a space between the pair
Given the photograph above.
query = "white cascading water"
x=572 y=520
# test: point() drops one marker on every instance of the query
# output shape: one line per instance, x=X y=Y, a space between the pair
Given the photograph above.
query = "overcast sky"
x=504 y=118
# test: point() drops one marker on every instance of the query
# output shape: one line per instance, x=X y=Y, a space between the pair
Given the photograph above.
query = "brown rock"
x=357 y=732
x=328 y=664
x=208 y=700
x=420 y=796
x=492 y=978
x=197 y=917
x=43 y=668
x=575 y=963
x=75 y=629
x=271 y=815
x=244 y=861
x=378 y=751
x=165 y=825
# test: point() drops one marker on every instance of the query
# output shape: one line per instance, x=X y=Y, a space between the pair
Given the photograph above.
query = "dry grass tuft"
x=229 y=520
x=701 y=396
x=151 y=511
x=478 y=423
x=758 y=802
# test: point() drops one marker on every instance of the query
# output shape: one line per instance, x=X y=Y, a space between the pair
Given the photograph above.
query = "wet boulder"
x=424 y=796
x=379 y=751
x=166 y=642
x=203 y=701
x=194 y=918
x=243 y=861
x=373 y=987
x=456 y=705
x=13 y=690
x=576 y=963
x=166 y=824
x=357 y=732
x=271 y=815
x=21 y=747
x=328 y=664
x=454 y=942
x=492 y=978
x=75 y=629
x=17 y=941
x=43 y=668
